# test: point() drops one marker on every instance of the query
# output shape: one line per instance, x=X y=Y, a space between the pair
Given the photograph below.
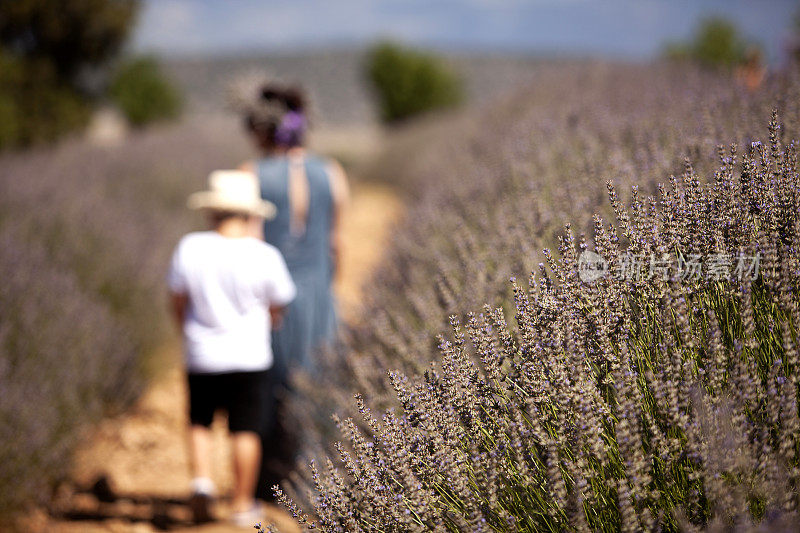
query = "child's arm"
x=177 y=304
x=276 y=313
x=340 y=191
x=178 y=288
x=279 y=289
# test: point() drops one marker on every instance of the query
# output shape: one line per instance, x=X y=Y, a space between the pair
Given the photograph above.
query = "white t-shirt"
x=231 y=283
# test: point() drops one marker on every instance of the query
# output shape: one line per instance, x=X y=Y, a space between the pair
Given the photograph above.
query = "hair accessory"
x=291 y=129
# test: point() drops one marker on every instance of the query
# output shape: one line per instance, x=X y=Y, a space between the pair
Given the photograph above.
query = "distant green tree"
x=794 y=44
x=46 y=49
x=69 y=34
x=716 y=43
x=34 y=105
x=9 y=113
x=142 y=92
x=409 y=82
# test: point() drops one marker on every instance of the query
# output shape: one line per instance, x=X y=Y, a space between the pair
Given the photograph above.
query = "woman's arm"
x=340 y=192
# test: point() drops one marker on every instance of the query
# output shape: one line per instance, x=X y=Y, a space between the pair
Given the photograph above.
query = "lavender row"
x=623 y=403
x=85 y=236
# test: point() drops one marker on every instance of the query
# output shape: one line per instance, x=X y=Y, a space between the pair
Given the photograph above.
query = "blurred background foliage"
x=409 y=82
x=54 y=57
x=717 y=43
x=142 y=93
x=35 y=105
x=70 y=35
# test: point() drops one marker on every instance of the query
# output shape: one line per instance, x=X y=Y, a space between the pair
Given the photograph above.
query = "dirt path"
x=143 y=453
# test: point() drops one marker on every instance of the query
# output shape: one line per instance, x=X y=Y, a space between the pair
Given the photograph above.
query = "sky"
x=629 y=29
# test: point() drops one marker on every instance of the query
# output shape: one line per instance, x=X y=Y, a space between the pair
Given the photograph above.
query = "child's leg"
x=245 y=419
x=203 y=402
x=200 y=446
x=246 y=463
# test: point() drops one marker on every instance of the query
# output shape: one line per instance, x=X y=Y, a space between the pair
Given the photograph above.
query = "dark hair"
x=269 y=125
x=217 y=217
x=292 y=97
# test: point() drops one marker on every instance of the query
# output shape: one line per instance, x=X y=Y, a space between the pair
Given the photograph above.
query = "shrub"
x=561 y=405
x=409 y=82
x=9 y=118
x=716 y=43
x=48 y=112
x=9 y=125
x=68 y=40
x=143 y=93
x=34 y=106
x=64 y=360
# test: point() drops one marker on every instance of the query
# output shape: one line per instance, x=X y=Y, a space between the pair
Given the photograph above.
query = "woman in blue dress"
x=309 y=192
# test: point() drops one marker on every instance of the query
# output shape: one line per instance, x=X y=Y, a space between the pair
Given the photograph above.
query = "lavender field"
x=469 y=394
x=496 y=390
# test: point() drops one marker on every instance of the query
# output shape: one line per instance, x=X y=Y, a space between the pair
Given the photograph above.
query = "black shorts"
x=241 y=394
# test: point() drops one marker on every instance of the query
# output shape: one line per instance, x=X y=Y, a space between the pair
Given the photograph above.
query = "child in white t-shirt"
x=227 y=286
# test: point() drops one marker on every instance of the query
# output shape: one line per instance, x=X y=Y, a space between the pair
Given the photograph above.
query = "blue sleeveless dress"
x=310 y=320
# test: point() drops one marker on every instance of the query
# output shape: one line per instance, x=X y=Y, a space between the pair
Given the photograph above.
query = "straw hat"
x=237 y=191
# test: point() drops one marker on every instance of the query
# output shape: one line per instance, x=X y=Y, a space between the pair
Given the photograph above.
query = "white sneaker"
x=204 y=485
x=248 y=518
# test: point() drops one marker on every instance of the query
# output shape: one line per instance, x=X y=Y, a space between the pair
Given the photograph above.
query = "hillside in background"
x=335 y=79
